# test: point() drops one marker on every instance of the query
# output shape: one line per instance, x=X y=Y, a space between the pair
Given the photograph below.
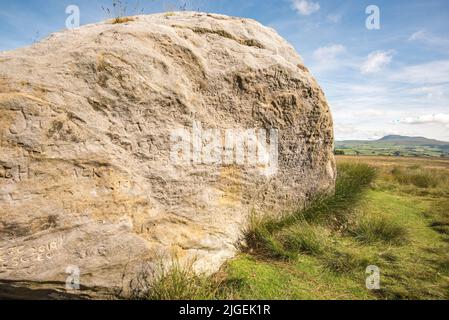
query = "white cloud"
x=375 y=106
x=330 y=58
x=342 y=129
x=431 y=91
x=329 y=53
x=429 y=38
x=418 y=35
x=439 y=118
x=305 y=7
x=365 y=90
x=355 y=131
x=376 y=61
x=434 y=72
x=370 y=113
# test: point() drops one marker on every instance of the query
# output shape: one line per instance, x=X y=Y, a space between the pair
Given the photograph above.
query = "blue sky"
x=394 y=80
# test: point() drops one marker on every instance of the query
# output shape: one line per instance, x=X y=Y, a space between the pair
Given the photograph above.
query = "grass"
x=176 y=282
x=304 y=239
x=439 y=217
x=291 y=233
x=121 y=11
x=369 y=230
x=343 y=262
x=417 y=177
x=119 y=20
x=385 y=148
x=375 y=217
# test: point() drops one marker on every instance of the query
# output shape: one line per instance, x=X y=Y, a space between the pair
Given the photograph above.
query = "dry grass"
x=122 y=20
x=385 y=162
x=419 y=177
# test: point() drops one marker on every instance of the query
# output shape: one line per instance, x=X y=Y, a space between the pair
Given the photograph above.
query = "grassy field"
x=392 y=213
x=395 y=146
x=390 y=149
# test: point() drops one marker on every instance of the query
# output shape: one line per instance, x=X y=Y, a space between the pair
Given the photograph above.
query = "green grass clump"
x=179 y=282
x=260 y=240
x=370 y=230
x=262 y=235
x=439 y=215
x=303 y=238
x=342 y=262
x=352 y=180
x=418 y=177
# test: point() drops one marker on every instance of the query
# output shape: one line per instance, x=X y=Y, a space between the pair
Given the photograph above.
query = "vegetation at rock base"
x=383 y=213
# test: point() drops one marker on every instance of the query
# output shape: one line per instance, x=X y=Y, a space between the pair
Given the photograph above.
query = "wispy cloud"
x=370 y=113
x=439 y=118
x=376 y=61
x=330 y=58
x=432 y=91
x=329 y=52
x=418 y=35
x=429 y=38
x=434 y=72
x=305 y=7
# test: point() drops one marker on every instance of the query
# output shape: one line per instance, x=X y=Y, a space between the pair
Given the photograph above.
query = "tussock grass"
x=352 y=181
x=370 y=230
x=261 y=241
x=284 y=237
x=421 y=178
x=178 y=282
x=342 y=262
x=439 y=216
x=304 y=238
x=424 y=179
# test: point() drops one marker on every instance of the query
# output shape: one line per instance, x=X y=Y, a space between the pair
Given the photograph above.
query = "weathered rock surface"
x=87 y=116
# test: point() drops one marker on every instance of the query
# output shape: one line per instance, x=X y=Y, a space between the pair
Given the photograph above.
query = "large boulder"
x=151 y=138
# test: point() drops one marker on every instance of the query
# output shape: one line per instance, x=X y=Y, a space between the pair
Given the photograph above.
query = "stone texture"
x=86 y=116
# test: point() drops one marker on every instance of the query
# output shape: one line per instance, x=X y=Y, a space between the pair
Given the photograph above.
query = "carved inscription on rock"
x=19 y=256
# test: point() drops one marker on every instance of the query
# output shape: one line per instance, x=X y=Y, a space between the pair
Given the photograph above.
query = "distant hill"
x=395 y=145
x=412 y=140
